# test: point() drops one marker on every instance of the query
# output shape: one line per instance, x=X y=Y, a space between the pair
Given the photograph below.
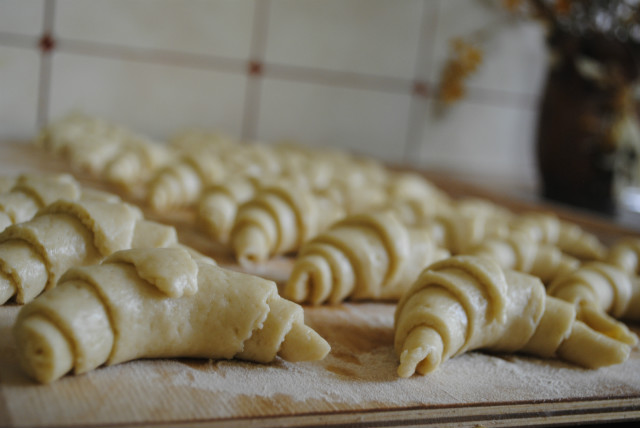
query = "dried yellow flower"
x=465 y=59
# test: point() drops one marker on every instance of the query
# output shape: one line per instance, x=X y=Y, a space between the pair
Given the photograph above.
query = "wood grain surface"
x=355 y=385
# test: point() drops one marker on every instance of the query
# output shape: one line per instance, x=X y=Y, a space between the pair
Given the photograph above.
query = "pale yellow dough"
x=603 y=293
x=31 y=192
x=158 y=303
x=34 y=254
x=278 y=220
x=467 y=302
x=518 y=252
x=625 y=253
x=362 y=257
x=218 y=206
x=567 y=236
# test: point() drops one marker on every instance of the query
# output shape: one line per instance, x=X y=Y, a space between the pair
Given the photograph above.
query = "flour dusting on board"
x=361 y=370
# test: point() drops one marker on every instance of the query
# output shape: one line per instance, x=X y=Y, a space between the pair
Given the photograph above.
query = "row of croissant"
x=467 y=274
x=100 y=285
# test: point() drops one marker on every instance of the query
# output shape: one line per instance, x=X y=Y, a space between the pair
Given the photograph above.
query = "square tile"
x=515 y=55
x=204 y=27
x=480 y=139
x=155 y=99
x=373 y=37
x=19 y=84
x=23 y=17
x=366 y=122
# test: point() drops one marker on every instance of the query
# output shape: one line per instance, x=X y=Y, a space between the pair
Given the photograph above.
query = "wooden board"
x=356 y=385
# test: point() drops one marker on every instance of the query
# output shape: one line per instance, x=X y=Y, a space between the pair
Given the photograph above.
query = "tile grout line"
x=348 y=79
x=44 y=89
x=421 y=90
x=255 y=70
x=151 y=56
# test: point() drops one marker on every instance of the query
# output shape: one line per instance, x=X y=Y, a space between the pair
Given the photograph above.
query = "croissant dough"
x=599 y=289
x=31 y=192
x=625 y=253
x=367 y=256
x=180 y=183
x=135 y=163
x=87 y=143
x=458 y=230
x=34 y=254
x=218 y=206
x=466 y=302
x=567 y=236
x=278 y=220
x=154 y=303
x=520 y=253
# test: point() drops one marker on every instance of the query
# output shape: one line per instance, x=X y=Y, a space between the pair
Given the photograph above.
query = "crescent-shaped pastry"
x=519 y=252
x=568 y=236
x=278 y=220
x=362 y=257
x=218 y=206
x=136 y=162
x=458 y=231
x=34 y=254
x=180 y=182
x=414 y=199
x=32 y=192
x=158 y=303
x=625 y=253
x=466 y=302
x=597 y=289
x=76 y=132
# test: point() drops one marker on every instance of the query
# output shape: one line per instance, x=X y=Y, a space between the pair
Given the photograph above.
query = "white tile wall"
x=362 y=121
x=24 y=17
x=214 y=27
x=147 y=96
x=338 y=72
x=375 y=37
x=479 y=139
x=19 y=84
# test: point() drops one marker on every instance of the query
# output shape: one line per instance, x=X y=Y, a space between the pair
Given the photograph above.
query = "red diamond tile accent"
x=255 y=68
x=47 y=43
x=421 y=89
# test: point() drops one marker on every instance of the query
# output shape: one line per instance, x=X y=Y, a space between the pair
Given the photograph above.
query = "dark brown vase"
x=582 y=148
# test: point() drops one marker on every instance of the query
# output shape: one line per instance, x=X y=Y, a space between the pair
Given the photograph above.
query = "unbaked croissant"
x=465 y=302
x=34 y=254
x=87 y=143
x=483 y=207
x=518 y=252
x=180 y=182
x=414 y=199
x=218 y=205
x=367 y=256
x=158 y=303
x=278 y=220
x=31 y=192
x=71 y=134
x=567 y=236
x=136 y=162
x=458 y=231
x=625 y=253
x=600 y=288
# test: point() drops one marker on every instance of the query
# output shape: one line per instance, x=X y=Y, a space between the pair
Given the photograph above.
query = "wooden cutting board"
x=355 y=385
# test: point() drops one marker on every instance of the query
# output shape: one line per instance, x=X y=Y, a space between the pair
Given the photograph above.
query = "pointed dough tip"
x=302 y=343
